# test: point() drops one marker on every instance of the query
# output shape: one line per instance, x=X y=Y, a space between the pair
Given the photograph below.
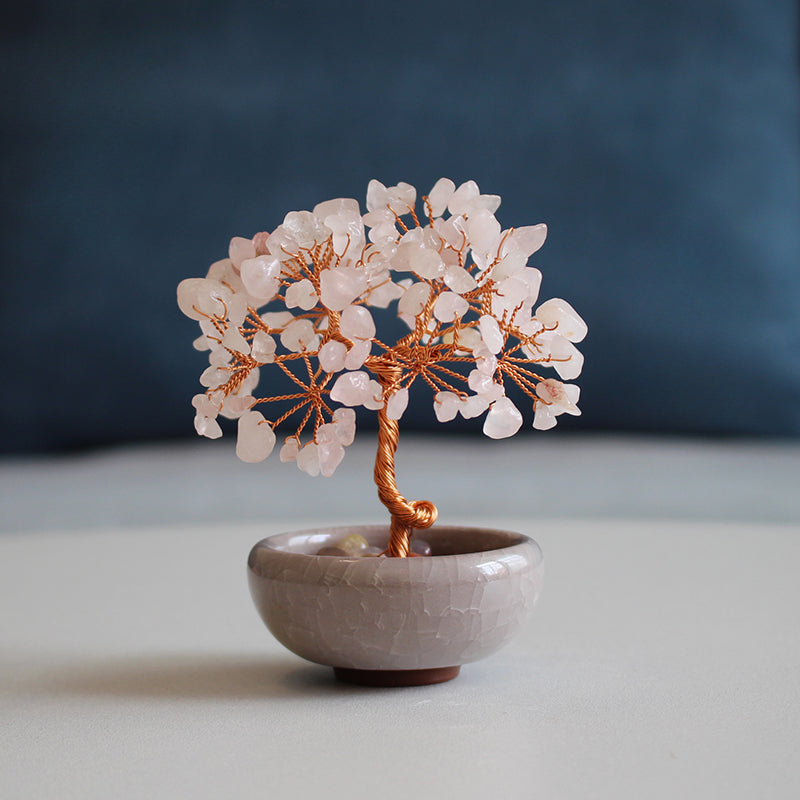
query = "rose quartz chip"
x=414 y=299
x=351 y=388
x=446 y=405
x=459 y=280
x=558 y=312
x=299 y=335
x=255 y=438
x=263 y=348
x=260 y=277
x=308 y=460
x=339 y=287
x=449 y=307
x=301 y=295
x=491 y=333
x=397 y=404
x=503 y=419
x=240 y=250
x=439 y=196
x=289 y=451
x=356 y=323
x=331 y=356
x=345 y=421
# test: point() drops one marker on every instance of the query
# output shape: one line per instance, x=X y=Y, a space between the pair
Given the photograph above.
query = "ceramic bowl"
x=396 y=621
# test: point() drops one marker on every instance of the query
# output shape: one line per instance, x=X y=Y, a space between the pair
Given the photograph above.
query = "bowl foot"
x=396 y=677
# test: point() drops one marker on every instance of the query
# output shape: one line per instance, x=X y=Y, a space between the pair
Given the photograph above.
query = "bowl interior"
x=445 y=540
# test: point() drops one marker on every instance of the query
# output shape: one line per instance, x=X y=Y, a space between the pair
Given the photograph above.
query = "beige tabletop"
x=662 y=662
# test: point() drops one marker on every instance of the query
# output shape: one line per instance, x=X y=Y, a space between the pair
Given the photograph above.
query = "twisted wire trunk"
x=407 y=515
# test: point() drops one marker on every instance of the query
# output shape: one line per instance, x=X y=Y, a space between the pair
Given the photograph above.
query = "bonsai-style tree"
x=298 y=300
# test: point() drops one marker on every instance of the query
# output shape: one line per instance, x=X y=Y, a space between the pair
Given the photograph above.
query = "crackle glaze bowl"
x=396 y=621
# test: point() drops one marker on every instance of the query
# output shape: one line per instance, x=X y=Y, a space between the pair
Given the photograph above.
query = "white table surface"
x=662 y=662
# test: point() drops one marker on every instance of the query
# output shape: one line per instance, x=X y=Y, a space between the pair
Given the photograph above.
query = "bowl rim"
x=517 y=540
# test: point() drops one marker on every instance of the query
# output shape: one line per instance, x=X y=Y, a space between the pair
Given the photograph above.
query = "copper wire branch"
x=407 y=515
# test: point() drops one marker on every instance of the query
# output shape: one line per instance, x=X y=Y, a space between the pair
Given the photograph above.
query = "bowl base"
x=396 y=677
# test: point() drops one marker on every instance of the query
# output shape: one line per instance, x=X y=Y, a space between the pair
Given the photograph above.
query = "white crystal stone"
x=356 y=323
x=260 y=277
x=201 y=343
x=449 y=307
x=308 y=460
x=399 y=198
x=301 y=295
x=277 y=320
x=357 y=354
x=299 y=335
x=331 y=356
x=378 y=217
x=483 y=231
x=339 y=287
x=213 y=377
x=345 y=421
x=489 y=202
x=326 y=433
x=509 y=294
x=561 y=397
x=213 y=298
x=446 y=405
x=491 y=333
x=468 y=339
x=290 y=449
x=374 y=399
x=439 y=196
x=452 y=232
x=255 y=438
x=208 y=427
x=558 y=312
x=329 y=456
x=263 y=348
x=562 y=354
x=397 y=404
x=414 y=299
x=351 y=388
x=382 y=291
x=306 y=228
x=458 y=279
x=233 y=406
x=343 y=217
x=473 y=406
x=282 y=242
x=233 y=340
x=204 y=406
x=219 y=356
x=188 y=301
x=484 y=385
x=503 y=419
x=237 y=309
x=485 y=361
x=527 y=240
x=424 y=261
x=461 y=200
x=384 y=236
x=533 y=278
x=509 y=265
x=544 y=418
x=339 y=207
x=240 y=250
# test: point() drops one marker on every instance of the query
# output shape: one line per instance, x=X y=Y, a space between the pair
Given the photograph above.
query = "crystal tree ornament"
x=298 y=300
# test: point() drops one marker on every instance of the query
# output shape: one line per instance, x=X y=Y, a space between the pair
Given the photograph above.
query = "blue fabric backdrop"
x=658 y=140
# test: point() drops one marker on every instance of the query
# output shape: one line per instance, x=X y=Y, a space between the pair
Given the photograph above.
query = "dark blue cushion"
x=658 y=140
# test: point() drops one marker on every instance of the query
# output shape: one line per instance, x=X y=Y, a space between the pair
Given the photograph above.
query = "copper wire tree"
x=298 y=299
